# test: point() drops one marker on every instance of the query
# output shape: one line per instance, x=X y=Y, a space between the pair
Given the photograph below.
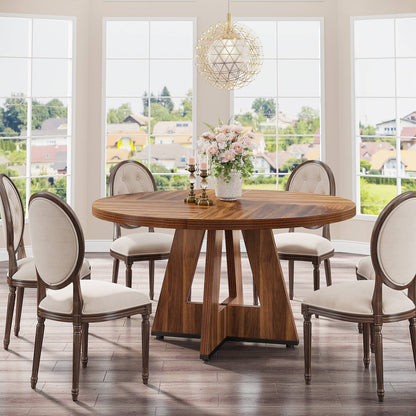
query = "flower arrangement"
x=229 y=149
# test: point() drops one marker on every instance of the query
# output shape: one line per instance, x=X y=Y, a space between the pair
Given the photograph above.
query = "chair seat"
x=302 y=244
x=98 y=298
x=365 y=268
x=355 y=298
x=142 y=243
x=26 y=270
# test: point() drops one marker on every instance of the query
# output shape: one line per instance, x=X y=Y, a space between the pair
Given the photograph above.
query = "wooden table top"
x=255 y=209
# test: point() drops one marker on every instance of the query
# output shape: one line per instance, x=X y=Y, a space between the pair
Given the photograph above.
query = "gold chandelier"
x=229 y=55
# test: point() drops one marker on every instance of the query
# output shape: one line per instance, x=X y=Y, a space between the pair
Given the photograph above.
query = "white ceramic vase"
x=229 y=191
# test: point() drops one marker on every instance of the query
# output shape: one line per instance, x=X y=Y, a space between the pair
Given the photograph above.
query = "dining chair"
x=316 y=177
x=129 y=177
x=378 y=301
x=364 y=270
x=58 y=250
x=21 y=271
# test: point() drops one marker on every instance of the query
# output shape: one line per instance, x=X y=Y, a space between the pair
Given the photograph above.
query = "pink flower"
x=250 y=135
x=246 y=141
x=237 y=129
x=221 y=138
x=237 y=147
x=212 y=149
x=207 y=135
x=228 y=156
x=225 y=129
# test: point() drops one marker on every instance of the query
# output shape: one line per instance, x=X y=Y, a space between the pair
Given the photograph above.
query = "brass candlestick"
x=191 y=198
x=204 y=200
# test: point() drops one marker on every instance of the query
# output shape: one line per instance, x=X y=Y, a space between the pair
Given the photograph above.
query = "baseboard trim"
x=103 y=246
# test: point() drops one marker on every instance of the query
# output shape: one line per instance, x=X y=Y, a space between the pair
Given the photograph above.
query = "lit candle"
x=204 y=165
x=191 y=160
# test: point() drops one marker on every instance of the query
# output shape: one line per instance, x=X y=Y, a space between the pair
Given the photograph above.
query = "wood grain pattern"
x=254 y=210
x=256 y=213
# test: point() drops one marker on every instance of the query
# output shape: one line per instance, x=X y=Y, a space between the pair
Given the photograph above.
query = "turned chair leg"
x=378 y=338
x=151 y=279
x=116 y=263
x=40 y=329
x=19 y=305
x=255 y=295
x=412 y=327
x=316 y=276
x=328 y=275
x=291 y=278
x=84 y=346
x=307 y=334
x=76 y=359
x=145 y=347
x=128 y=274
x=372 y=346
x=9 y=316
x=366 y=344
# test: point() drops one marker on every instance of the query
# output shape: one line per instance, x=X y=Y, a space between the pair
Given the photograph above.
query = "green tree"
x=364 y=165
x=265 y=106
x=56 y=109
x=15 y=112
x=146 y=100
x=118 y=115
x=8 y=132
x=367 y=130
x=187 y=106
x=165 y=99
x=308 y=121
x=40 y=113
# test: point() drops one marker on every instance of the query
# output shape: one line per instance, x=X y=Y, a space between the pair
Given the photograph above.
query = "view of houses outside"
x=385 y=110
x=149 y=96
x=156 y=128
x=35 y=103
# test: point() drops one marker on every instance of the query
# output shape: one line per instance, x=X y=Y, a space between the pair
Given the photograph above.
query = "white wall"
x=211 y=103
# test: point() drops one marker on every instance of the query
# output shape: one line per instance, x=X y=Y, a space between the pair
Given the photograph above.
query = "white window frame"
x=71 y=103
x=276 y=97
x=104 y=78
x=356 y=190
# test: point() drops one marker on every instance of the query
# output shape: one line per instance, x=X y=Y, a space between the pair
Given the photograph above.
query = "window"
x=149 y=96
x=36 y=103
x=384 y=60
x=282 y=106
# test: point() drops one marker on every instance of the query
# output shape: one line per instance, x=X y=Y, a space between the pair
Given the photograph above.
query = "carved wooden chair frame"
x=80 y=321
x=378 y=318
x=129 y=260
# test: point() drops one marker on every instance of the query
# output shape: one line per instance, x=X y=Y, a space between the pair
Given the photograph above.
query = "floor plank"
x=241 y=379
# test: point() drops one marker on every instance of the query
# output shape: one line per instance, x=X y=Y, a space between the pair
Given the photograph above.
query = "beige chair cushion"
x=143 y=243
x=365 y=268
x=26 y=269
x=99 y=297
x=355 y=297
x=302 y=244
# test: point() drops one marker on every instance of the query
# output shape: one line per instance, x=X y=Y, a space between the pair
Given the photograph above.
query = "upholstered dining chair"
x=315 y=177
x=379 y=301
x=21 y=274
x=129 y=177
x=58 y=250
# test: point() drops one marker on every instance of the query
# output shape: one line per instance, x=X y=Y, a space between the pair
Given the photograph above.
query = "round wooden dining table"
x=255 y=215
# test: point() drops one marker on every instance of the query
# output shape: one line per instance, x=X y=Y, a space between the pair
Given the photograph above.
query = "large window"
x=149 y=96
x=282 y=106
x=36 y=103
x=384 y=128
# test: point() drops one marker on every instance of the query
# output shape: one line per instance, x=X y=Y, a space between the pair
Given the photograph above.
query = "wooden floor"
x=241 y=378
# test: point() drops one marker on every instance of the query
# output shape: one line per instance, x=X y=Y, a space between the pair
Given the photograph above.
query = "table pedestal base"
x=214 y=321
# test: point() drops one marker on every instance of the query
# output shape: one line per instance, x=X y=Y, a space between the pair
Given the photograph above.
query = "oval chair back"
x=13 y=215
x=393 y=243
x=129 y=177
x=57 y=239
